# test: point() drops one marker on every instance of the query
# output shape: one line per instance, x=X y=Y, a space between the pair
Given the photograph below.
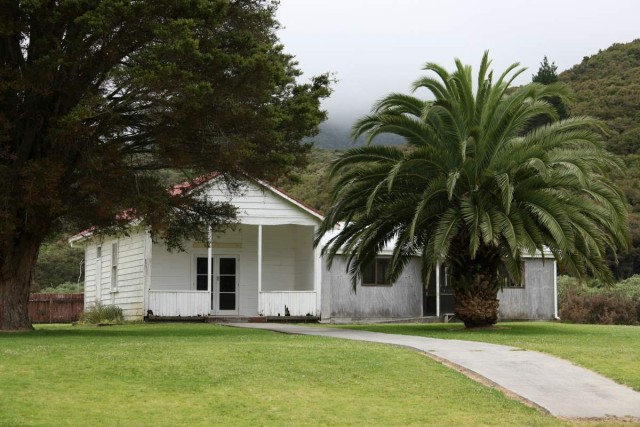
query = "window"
x=376 y=272
x=99 y=252
x=202 y=268
x=446 y=280
x=510 y=282
x=114 y=267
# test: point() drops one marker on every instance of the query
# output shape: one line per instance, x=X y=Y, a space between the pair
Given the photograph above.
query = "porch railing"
x=299 y=303
x=179 y=303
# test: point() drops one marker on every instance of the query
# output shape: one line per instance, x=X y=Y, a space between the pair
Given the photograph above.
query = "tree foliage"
x=96 y=96
x=607 y=86
x=475 y=191
x=547 y=74
x=310 y=183
x=58 y=263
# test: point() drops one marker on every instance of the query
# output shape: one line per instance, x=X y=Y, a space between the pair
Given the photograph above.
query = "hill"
x=337 y=136
x=607 y=85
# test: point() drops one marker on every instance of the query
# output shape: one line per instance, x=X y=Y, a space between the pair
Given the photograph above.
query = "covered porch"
x=252 y=270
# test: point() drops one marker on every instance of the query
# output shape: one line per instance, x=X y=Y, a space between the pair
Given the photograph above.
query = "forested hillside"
x=310 y=184
x=607 y=86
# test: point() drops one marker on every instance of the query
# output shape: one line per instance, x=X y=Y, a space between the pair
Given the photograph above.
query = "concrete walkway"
x=558 y=386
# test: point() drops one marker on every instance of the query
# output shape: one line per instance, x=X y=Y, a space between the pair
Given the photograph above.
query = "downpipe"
x=555 y=290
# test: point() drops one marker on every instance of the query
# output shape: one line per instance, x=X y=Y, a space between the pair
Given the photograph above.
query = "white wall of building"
x=128 y=293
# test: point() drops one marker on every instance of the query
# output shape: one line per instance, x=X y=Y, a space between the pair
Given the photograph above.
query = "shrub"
x=617 y=305
x=63 y=288
x=102 y=314
x=629 y=287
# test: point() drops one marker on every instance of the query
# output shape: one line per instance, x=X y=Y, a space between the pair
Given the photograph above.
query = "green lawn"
x=200 y=374
x=614 y=351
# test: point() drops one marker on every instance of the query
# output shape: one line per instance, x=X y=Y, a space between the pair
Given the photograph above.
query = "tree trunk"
x=475 y=287
x=477 y=306
x=16 y=267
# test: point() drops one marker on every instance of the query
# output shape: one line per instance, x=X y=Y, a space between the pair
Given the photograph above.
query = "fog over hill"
x=336 y=135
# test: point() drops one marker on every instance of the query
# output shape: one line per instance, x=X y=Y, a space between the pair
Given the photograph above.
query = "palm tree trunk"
x=477 y=306
x=475 y=288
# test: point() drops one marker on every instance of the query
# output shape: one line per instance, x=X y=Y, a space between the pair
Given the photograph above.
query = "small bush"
x=599 y=306
x=63 y=288
x=101 y=314
x=629 y=287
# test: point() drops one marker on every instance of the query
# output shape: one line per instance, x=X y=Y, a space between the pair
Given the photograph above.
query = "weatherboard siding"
x=129 y=294
x=404 y=299
x=130 y=291
x=340 y=303
x=534 y=301
x=259 y=205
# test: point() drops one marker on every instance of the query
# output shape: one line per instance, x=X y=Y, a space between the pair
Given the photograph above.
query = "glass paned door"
x=224 y=290
x=227 y=281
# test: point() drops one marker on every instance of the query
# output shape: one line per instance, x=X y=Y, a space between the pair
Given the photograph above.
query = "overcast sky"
x=379 y=46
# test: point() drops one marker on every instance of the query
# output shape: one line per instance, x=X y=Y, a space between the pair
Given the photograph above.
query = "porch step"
x=236 y=319
x=189 y=319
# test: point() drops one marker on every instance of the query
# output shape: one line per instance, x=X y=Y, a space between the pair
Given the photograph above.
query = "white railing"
x=179 y=303
x=299 y=303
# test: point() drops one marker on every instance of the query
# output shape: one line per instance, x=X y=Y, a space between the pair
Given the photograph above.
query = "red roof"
x=178 y=189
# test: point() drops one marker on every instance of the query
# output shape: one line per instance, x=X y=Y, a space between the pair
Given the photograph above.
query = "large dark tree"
x=96 y=96
x=473 y=190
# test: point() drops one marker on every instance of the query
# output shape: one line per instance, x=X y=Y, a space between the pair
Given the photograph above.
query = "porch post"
x=148 y=252
x=438 y=290
x=259 y=267
x=317 y=275
x=210 y=266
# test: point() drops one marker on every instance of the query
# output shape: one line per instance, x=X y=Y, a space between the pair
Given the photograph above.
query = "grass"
x=613 y=351
x=200 y=374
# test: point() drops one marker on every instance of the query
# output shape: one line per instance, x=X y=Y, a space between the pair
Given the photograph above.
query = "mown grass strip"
x=200 y=374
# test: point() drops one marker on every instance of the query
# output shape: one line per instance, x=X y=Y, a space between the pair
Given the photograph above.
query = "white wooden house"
x=266 y=263
x=267 y=266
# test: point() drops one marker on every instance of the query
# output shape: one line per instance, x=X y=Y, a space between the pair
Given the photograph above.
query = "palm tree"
x=472 y=188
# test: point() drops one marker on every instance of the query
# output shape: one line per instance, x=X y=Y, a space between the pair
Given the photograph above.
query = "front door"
x=447 y=300
x=224 y=286
x=224 y=298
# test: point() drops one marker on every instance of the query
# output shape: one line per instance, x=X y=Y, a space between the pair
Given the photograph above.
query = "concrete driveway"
x=555 y=385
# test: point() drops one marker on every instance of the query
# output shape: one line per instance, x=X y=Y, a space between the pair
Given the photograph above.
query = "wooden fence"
x=55 y=308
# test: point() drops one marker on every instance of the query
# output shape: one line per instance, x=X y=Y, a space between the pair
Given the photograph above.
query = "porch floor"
x=234 y=319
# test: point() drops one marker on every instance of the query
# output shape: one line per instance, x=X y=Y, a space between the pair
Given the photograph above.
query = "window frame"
x=115 y=255
x=509 y=283
x=377 y=271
